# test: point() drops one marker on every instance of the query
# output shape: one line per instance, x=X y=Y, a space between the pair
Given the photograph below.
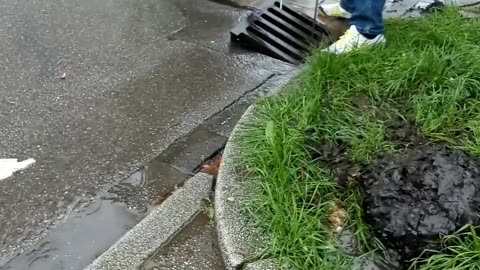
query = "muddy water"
x=415 y=196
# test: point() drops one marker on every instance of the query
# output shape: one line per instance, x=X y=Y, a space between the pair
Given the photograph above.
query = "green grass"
x=429 y=73
x=459 y=251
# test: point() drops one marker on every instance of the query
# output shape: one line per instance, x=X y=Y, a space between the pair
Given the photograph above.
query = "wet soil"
x=411 y=197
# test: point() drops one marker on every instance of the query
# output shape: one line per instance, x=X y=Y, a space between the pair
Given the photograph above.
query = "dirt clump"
x=328 y=155
x=413 y=197
x=403 y=134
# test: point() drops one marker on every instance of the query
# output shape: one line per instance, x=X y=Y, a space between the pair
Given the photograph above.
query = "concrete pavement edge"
x=158 y=227
x=233 y=232
x=240 y=241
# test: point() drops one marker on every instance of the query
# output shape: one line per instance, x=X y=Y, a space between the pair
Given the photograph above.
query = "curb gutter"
x=158 y=227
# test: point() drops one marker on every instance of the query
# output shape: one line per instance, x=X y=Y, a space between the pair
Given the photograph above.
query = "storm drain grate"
x=282 y=33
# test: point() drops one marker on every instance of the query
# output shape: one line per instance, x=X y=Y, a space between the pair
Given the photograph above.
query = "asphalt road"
x=139 y=74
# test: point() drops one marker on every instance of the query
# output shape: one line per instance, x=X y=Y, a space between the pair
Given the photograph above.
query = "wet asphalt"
x=139 y=75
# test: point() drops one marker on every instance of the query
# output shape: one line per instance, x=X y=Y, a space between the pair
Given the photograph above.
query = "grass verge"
x=459 y=251
x=428 y=73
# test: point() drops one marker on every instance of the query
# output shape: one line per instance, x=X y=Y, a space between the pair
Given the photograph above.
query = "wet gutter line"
x=156 y=230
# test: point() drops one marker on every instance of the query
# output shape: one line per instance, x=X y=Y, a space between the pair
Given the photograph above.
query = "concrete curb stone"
x=234 y=233
x=158 y=227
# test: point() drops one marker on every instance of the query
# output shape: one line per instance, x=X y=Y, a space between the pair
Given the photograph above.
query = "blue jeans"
x=366 y=15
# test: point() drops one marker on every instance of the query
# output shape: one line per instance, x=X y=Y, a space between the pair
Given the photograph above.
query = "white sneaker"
x=335 y=10
x=351 y=40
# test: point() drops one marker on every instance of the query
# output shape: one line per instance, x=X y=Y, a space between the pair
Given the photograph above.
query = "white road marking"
x=8 y=166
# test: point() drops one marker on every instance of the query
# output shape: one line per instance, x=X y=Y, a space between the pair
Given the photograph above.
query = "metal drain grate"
x=283 y=33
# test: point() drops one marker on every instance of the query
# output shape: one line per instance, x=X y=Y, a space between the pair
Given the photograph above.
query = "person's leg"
x=348 y=5
x=367 y=16
x=366 y=26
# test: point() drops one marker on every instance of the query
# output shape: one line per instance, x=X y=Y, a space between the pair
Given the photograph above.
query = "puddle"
x=148 y=186
x=85 y=235
x=92 y=225
x=194 y=248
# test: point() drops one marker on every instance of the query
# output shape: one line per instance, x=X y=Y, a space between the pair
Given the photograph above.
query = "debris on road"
x=212 y=169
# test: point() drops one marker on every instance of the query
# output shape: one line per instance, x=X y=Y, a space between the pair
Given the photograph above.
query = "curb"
x=235 y=234
x=157 y=228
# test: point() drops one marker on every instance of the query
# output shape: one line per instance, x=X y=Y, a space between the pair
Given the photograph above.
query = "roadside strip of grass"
x=459 y=251
x=429 y=73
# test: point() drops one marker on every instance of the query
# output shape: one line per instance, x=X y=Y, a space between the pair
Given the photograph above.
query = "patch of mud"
x=401 y=133
x=333 y=156
x=415 y=196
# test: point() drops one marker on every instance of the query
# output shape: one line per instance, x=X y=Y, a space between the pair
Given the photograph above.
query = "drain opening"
x=282 y=33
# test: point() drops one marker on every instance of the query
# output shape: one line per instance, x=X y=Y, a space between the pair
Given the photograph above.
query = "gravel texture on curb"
x=158 y=227
x=234 y=233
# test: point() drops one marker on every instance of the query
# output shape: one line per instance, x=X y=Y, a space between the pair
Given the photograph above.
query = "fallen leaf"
x=212 y=169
